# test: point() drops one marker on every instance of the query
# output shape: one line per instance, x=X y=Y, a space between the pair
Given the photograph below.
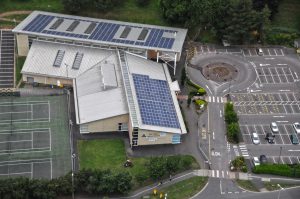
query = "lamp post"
x=279 y=155
x=279 y=190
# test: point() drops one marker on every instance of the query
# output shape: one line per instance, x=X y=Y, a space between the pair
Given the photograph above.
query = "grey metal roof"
x=107 y=32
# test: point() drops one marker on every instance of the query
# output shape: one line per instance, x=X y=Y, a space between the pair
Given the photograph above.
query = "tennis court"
x=34 y=137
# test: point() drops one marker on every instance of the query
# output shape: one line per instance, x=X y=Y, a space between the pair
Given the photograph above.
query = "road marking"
x=217 y=99
x=217 y=173
x=284 y=90
x=213 y=135
x=282 y=121
x=213 y=173
x=209 y=98
x=279 y=116
x=213 y=99
x=293 y=150
x=296 y=75
x=281 y=64
x=223 y=176
x=220 y=113
x=269 y=58
x=208 y=89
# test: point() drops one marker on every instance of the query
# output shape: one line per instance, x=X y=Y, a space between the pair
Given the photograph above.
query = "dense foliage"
x=278 y=169
x=89 y=181
x=231 y=119
x=75 y=6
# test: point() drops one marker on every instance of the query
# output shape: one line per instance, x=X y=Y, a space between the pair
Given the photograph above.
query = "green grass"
x=46 y=5
x=19 y=17
x=183 y=189
x=6 y=24
x=101 y=154
x=131 y=12
x=288 y=15
x=19 y=65
x=247 y=184
x=273 y=186
x=110 y=154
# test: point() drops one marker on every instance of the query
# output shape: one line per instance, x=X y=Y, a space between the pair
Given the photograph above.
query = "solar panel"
x=103 y=31
x=143 y=34
x=155 y=102
x=56 y=24
x=90 y=28
x=77 y=60
x=59 y=57
x=125 y=32
x=73 y=25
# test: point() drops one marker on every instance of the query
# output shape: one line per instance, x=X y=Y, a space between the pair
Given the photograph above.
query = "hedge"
x=278 y=169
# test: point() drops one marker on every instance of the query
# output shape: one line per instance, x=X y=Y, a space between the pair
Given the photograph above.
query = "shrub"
x=201 y=91
x=183 y=76
x=142 y=177
x=143 y=2
x=239 y=164
x=278 y=169
x=233 y=131
x=189 y=82
x=200 y=102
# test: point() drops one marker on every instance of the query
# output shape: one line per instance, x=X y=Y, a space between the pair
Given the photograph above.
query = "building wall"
x=47 y=80
x=22 y=45
x=147 y=137
x=107 y=125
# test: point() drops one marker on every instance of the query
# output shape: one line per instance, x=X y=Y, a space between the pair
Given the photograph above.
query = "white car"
x=274 y=127
x=256 y=161
x=297 y=127
x=255 y=138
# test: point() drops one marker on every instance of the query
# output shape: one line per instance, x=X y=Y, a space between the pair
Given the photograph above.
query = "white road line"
x=290 y=160
x=217 y=173
x=269 y=52
x=213 y=173
x=14 y=141
x=217 y=98
x=16 y=112
x=32 y=139
x=213 y=99
x=208 y=89
x=220 y=113
x=223 y=176
x=213 y=135
x=287 y=132
x=278 y=75
x=50 y=139
x=281 y=64
x=209 y=98
x=31 y=106
x=282 y=52
x=221 y=187
x=19 y=173
x=273 y=160
x=271 y=75
x=31 y=167
x=51 y=173
x=49 y=110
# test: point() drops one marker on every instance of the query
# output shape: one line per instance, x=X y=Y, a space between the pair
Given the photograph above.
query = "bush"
x=143 y=3
x=200 y=102
x=239 y=164
x=183 y=76
x=278 y=169
x=233 y=131
x=189 y=82
x=141 y=177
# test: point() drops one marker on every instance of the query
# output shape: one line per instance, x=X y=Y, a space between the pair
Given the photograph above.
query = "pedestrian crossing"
x=214 y=99
x=218 y=174
x=241 y=150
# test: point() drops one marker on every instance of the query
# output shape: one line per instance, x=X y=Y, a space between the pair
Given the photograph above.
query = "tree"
x=143 y=3
x=157 y=168
x=123 y=180
x=73 y=6
x=241 y=23
x=259 y=5
x=265 y=24
x=173 y=164
x=104 y=5
x=233 y=131
x=176 y=11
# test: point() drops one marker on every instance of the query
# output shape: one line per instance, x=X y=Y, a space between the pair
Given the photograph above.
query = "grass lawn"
x=183 y=189
x=130 y=11
x=273 y=186
x=247 y=184
x=288 y=15
x=46 y=5
x=19 y=65
x=110 y=154
x=19 y=17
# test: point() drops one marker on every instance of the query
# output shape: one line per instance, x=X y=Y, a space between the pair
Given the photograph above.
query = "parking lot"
x=251 y=52
x=281 y=138
x=7 y=59
x=266 y=103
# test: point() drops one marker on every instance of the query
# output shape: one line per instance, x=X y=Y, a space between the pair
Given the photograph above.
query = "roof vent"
x=77 y=61
x=73 y=25
x=143 y=34
x=59 y=57
x=125 y=32
x=90 y=28
x=56 y=24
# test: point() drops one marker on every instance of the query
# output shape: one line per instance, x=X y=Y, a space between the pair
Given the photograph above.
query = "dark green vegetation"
x=239 y=164
x=247 y=184
x=184 y=189
x=19 y=65
x=88 y=181
x=110 y=154
x=231 y=119
x=46 y=5
x=278 y=169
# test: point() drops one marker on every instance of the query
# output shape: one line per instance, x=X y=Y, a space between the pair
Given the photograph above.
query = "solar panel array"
x=102 y=31
x=155 y=102
x=7 y=45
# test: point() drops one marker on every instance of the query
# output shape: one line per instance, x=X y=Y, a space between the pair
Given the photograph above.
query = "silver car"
x=274 y=127
x=256 y=161
x=255 y=138
x=297 y=127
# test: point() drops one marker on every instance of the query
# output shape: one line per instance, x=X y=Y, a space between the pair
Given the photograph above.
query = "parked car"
x=256 y=161
x=263 y=159
x=294 y=138
x=297 y=127
x=255 y=138
x=274 y=127
x=270 y=137
x=259 y=51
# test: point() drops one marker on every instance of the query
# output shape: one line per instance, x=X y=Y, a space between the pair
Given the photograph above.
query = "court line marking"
x=49 y=110
x=17 y=112
x=23 y=103
x=29 y=130
x=50 y=139
x=13 y=141
x=25 y=151
x=25 y=160
x=51 y=172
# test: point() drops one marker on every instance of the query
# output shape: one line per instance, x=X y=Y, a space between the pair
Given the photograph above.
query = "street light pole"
x=279 y=155
x=279 y=191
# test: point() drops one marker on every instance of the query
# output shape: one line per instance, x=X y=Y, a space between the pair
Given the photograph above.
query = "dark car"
x=270 y=137
x=294 y=138
x=263 y=159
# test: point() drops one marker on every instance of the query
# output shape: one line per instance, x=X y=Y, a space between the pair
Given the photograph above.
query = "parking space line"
x=298 y=159
x=271 y=75
x=278 y=75
x=287 y=132
x=273 y=159
x=290 y=159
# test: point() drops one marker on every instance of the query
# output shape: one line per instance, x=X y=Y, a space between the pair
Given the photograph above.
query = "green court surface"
x=34 y=137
